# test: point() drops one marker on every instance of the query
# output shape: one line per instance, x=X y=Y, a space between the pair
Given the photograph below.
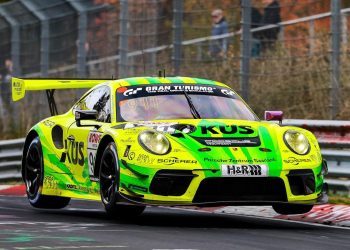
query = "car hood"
x=213 y=142
x=212 y=132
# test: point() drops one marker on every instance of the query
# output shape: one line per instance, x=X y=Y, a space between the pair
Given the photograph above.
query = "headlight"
x=297 y=142
x=154 y=142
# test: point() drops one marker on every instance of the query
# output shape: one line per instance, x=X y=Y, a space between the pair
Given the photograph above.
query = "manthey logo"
x=228 y=130
x=130 y=92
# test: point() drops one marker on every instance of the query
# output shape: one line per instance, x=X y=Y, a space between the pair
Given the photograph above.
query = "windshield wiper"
x=193 y=109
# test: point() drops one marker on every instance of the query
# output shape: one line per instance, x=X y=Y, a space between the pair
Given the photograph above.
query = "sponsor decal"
x=179 y=88
x=228 y=92
x=160 y=127
x=230 y=142
x=244 y=170
x=127 y=150
x=131 y=156
x=81 y=188
x=75 y=152
x=145 y=159
x=249 y=161
x=128 y=140
x=94 y=139
x=227 y=130
x=175 y=160
x=296 y=161
x=265 y=150
x=128 y=154
x=178 y=150
x=50 y=182
x=130 y=92
x=184 y=128
x=17 y=87
x=48 y=123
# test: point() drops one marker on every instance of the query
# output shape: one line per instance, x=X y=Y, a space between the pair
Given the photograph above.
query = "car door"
x=83 y=140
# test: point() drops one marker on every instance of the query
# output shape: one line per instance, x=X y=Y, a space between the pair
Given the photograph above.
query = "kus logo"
x=75 y=152
x=228 y=130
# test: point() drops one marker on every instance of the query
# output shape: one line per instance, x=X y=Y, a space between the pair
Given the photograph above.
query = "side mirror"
x=274 y=116
x=83 y=115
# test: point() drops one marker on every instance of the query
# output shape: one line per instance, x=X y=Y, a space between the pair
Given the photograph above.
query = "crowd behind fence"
x=304 y=71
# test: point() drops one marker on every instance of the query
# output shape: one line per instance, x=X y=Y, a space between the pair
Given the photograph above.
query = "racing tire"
x=291 y=208
x=33 y=176
x=109 y=185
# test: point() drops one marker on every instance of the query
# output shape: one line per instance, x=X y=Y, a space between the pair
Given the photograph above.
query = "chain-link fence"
x=289 y=55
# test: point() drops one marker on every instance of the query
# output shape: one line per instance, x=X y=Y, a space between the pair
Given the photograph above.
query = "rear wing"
x=20 y=86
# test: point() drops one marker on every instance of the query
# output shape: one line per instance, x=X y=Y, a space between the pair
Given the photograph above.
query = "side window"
x=99 y=100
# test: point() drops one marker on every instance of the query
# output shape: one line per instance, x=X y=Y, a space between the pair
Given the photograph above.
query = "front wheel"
x=33 y=176
x=109 y=185
x=291 y=208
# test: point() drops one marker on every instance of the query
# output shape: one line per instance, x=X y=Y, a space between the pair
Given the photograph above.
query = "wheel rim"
x=33 y=171
x=108 y=177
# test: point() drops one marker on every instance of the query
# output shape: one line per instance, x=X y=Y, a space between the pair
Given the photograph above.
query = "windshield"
x=138 y=104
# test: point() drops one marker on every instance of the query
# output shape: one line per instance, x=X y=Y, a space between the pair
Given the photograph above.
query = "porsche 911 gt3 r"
x=166 y=141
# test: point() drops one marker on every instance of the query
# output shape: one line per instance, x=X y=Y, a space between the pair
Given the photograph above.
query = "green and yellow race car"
x=169 y=141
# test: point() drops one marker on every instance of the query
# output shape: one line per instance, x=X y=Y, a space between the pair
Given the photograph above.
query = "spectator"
x=271 y=16
x=256 y=36
x=6 y=75
x=8 y=71
x=218 y=48
x=6 y=107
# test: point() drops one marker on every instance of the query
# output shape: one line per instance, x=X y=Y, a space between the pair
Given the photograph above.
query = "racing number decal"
x=94 y=139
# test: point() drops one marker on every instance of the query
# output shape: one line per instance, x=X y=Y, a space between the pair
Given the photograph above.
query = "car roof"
x=163 y=80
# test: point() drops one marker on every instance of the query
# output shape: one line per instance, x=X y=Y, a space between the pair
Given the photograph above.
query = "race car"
x=170 y=141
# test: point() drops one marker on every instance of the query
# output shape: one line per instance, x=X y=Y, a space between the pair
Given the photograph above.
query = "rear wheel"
x=109 y=185
x=33 y=176
x=291 y=208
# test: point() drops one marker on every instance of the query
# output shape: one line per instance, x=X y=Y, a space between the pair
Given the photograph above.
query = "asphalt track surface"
x=84 y=225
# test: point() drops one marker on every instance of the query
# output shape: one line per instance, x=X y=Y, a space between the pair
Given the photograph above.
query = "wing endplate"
x=20 y=86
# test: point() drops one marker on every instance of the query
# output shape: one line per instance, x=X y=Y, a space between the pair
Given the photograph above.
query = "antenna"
x=160 y=72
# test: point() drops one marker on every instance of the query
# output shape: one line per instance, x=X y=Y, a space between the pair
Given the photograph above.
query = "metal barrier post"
x=335 y=57
x=245 y=49
x=177 y=42
x=123 y=40
x=82 y=37
x=15 y=42
x=344 y=32
x=45 y=34
x=311 y=37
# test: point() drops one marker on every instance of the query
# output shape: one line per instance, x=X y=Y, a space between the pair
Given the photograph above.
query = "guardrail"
x=10 y=159
x=333 y=136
